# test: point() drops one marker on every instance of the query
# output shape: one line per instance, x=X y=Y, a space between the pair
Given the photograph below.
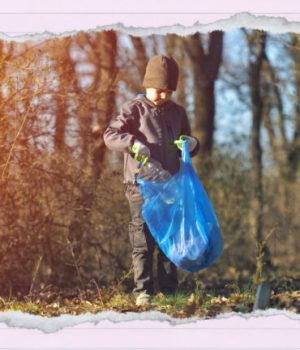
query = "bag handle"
x=185 y=153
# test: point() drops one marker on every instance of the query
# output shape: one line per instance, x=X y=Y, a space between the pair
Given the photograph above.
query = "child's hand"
x=141 y=151
x=192 y=143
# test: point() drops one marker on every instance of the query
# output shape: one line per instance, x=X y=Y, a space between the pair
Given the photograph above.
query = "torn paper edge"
x=18 y=319
x=276 y=25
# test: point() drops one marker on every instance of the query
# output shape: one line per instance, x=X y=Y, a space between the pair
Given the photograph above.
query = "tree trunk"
x=3 y=117
x=63 y=59
x=105 y=88
x=293 y=158
x=205 y=67
x=257 y=43
x=175 y=48
x=4 y=120
x=140 y=56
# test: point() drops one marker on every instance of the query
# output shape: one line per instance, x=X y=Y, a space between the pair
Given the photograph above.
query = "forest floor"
x=199 y=303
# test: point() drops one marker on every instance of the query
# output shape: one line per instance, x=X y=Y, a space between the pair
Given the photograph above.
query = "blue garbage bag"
x=181 y=218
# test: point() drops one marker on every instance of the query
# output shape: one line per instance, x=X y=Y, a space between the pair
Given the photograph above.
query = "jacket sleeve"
x=186 y=130
x=119 y=136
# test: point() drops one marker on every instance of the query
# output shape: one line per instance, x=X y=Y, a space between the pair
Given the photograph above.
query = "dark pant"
x=143 y=246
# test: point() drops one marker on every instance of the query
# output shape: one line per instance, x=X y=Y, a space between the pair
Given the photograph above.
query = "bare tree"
x=4 y=123
x=141 y=58
x=256 y=43
x=294 y=147
x=175 y=47
x=205 y=67
x=105 y=46
x=67 y=83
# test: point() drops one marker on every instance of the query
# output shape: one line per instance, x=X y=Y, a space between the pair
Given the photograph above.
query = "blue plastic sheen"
x=181 y=218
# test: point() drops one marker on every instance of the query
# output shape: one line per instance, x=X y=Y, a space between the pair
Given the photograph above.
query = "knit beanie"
x=161 y=73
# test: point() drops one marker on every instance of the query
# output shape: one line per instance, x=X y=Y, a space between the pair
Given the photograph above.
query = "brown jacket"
x=155 y=126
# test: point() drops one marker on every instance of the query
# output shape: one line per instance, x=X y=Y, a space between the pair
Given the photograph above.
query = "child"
x=152 y=127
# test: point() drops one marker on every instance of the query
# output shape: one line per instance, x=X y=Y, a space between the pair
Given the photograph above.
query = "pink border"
x=57 y=16
x=277 y=331
x=236 y=332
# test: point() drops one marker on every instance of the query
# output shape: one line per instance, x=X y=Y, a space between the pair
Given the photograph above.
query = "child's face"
x=158 y=96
